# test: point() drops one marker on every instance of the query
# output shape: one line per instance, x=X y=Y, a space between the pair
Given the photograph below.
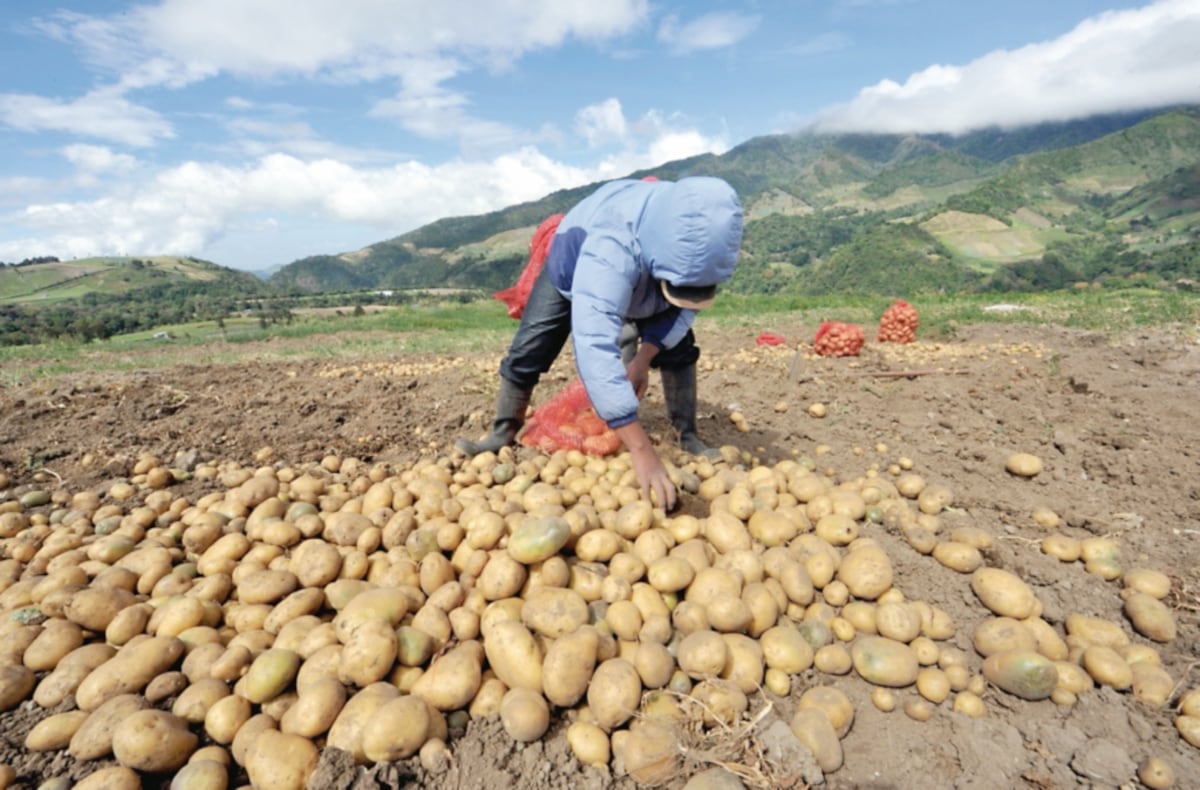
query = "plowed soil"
x=1113 y=419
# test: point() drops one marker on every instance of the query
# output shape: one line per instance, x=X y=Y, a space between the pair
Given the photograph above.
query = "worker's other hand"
x=639 y=377
x=657 y=487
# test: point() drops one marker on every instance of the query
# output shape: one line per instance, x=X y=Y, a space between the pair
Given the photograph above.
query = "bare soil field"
x=1112 y=418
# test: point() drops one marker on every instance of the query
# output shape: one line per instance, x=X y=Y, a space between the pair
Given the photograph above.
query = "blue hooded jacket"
x=608 y=256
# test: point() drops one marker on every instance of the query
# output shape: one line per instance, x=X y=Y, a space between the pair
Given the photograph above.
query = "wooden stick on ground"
x=911 y=374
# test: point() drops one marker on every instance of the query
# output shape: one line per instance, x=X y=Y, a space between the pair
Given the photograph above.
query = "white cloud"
x=602 y=123
x=1115 y=61
x=189 y=208
x=711 y=31
x=103 y=114
x=96 y=158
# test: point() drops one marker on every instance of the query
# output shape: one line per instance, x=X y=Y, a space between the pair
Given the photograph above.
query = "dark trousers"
x=545 y=326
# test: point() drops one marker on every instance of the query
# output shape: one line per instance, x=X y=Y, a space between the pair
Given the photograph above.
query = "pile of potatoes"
x=377 y=609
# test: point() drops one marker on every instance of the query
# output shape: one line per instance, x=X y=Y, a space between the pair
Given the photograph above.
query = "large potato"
x=130 y=670
x=1150 y=617
x=279 y=760
x=152 y=741
x=866 y=572
x=568 y=666
x=614 y=693
x=1024 y=673
x=454 y=678
x=554 y=611
x=93 y=739
x=514 y=655
x=316 y=709
x=356 y=716
x=884 y=662
x=1004 y=593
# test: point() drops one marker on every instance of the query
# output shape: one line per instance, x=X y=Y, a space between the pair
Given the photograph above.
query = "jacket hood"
x=691 y=231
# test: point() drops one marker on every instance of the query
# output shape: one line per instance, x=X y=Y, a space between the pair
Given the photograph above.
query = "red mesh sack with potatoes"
x=516 y=296
x=898 y=323
x=838 y=339
x=568 y=422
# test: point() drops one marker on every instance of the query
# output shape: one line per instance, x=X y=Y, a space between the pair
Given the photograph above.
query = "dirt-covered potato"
x=152 y=741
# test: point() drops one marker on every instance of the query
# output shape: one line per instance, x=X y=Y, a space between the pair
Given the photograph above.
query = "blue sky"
x=255 y=132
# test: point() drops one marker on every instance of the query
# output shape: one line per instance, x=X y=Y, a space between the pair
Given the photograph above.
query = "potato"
x=319 y=703
x=554 y=611
x=152 y=740
x=279 y=760
x=225 y=717
x=1023 y=465
x=1189 y=728
x=356 y=716
x=1156 y=773
x=95 y=607
x=93 y=738
x=524 y=714
x=1107 y=667
x=744 y=667
x=514 y=655
x=367 y=657
x=813 y=729
x=899 y=621
x=833 y=703
x=651 y=752
x=702 y=654
x=956 y=556
x=538 y=538
x=113 y=777
x=193 y=702
x=399 y=728
x=721 y=703
x=271 y=673
x=1023 y=673
x=785 y=648
x=1095 y=631
x=200 y=775
x=588 y=743
x=998 y=634
x=614 y=693
x=55 y=732
x=57 y=639
x=1151 y=684
x=16 y=681
x=1061 y=547
x=1143 y=580
x=833 y=660
x=568 y=666
x=884 y=662
x=1150 y=617
x=1004 y=593
x=386 y=604
x=837 y=529
x=130 y=670
x=454 y=678
x=866 y=572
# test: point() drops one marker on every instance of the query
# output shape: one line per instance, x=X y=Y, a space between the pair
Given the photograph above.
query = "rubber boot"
x=511 y=405
x=679 y=392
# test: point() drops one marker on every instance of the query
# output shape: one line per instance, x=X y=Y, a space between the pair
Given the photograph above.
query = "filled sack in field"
x=898 y=324
x=568 y=422
x=516 y=296
x=838 y=339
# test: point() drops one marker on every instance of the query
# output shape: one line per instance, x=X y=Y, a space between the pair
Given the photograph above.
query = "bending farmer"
x=647 y=253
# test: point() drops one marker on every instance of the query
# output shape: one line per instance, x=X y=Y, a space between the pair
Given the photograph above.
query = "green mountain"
x=101 y=297
x=1107 y=198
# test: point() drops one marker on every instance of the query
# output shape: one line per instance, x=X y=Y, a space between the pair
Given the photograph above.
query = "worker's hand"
x=656 y=485
x=638 y=369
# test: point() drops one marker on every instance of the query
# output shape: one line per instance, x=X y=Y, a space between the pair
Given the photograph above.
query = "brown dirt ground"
x=1113 y=419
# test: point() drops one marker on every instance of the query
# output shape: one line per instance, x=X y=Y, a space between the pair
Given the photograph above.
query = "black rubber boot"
x=679 y=392
x=511 y=405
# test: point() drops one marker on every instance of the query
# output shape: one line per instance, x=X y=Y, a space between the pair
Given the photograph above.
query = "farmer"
x=647 y=253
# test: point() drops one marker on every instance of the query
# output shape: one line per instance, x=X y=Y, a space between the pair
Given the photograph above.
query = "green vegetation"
x=447 y=328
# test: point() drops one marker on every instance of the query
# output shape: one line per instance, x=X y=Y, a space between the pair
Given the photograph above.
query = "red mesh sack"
x=838 y=339
x=770 y=339
x=898 y=323
x=516 y=296
x=568 y=422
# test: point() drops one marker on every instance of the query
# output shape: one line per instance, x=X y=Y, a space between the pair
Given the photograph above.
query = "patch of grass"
x=484 y=326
